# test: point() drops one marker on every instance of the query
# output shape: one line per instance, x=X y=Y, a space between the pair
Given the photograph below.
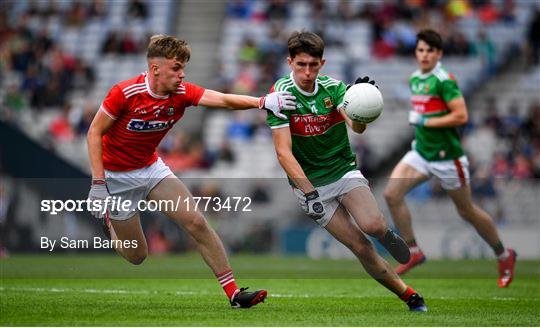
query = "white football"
x=363 y=102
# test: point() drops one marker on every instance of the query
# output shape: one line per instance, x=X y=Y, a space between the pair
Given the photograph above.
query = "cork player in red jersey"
x=122 y=139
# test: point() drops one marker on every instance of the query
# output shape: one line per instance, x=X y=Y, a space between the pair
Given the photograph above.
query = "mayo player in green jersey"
x=438 y=109
x=313 y=148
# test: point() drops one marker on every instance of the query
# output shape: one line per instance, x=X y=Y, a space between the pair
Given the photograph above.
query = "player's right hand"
x=278 y=101
x=314 y=205
x=98 y=192
x=416 y=118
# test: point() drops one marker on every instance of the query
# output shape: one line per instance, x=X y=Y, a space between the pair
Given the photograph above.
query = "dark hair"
x=432 y=38
x=169 y=47
x=307 y=42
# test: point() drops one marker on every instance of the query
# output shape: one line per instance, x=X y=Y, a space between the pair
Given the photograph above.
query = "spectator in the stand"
x=247 y=79
x=493 y=119
x=501 y=166
x=239 y=128
x=531 y=125
x=277 y=10
x=485 y=48
x=249 y=53
x=239 y=8
x=128 y=45
x=137 y=9
x=83 y=75
x=457 y=44
x=533 y=37
x=82 y=124
x=112 y=44
x=259 y=193
x=76 y=14
x=457 y=9
x=20 y=51
x=13 y=101
x=508 y=12
x=511 y=122
x=60 y=128
x=488 y=13
x=225 y=153
x=97 y=8
x=521 y=168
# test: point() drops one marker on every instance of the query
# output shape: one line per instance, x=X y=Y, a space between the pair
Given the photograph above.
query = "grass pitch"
x=103 y=290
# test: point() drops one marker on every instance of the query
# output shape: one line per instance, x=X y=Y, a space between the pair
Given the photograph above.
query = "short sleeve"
x=275 y=122
x=193 y=93
x=340 y=94
x=450 y=90
x=113 y=104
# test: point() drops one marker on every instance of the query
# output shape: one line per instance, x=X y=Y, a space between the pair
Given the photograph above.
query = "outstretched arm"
x=275 y=101
x=215 y=99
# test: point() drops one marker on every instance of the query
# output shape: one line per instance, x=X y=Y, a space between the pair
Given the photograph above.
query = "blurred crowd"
x=393 y=30
x=505 y=146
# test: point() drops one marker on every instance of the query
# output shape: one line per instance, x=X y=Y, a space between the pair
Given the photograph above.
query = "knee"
x=376 y=227
x=392 y=197
x=196 y=224
x=466 y=212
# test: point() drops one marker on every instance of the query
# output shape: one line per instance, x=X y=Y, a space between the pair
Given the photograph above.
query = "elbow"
x=93 y=134
x=283 y=156
x=463 y=119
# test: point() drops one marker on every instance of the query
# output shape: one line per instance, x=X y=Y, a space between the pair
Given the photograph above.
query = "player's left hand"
x=314 y=205
x=365 y=79
x=416 y=118
x=278 y=101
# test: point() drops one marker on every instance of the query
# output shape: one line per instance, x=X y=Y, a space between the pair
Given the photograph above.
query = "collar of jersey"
x=305 y=93
x=150 y=90
x=425 y=75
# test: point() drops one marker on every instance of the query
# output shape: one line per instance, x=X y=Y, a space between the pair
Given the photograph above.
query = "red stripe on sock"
x=226 y=280
x=405 y=296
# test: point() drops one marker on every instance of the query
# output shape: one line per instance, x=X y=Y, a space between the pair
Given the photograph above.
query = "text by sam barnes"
x=96 y=242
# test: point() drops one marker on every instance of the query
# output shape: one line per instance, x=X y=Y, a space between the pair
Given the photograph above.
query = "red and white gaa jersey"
x=142 y=118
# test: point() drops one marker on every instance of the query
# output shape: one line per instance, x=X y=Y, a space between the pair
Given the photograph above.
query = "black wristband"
x=312 y=195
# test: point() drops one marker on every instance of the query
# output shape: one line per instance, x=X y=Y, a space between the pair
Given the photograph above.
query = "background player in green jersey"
x=438 y=109
x=313 y=148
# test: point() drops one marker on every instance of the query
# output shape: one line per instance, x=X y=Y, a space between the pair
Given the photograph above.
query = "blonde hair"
x=167 y=46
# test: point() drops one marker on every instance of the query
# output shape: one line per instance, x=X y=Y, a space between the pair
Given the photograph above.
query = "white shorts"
x=134 y=185
x=332 y=194
x=452 y=174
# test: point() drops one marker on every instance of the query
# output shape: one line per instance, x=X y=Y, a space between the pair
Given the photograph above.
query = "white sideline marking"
x=270 y=295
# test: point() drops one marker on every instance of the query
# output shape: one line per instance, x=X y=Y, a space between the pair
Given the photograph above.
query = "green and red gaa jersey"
x=430 y=94
x=320 y=142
